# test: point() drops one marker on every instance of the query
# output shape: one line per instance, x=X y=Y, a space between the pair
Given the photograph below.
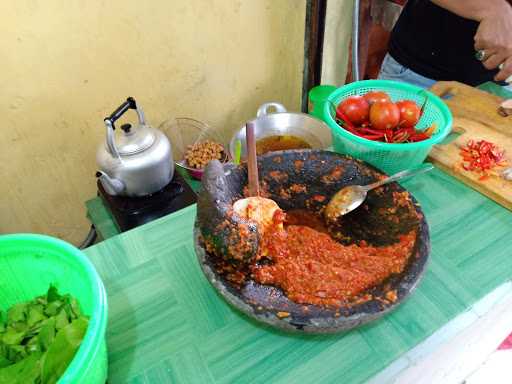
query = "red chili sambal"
x=312 y=268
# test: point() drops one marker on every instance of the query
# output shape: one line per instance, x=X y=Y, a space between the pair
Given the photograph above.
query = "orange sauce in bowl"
x=280 y=143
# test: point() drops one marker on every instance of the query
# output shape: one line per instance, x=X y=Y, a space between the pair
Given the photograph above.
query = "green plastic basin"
x=29 y=264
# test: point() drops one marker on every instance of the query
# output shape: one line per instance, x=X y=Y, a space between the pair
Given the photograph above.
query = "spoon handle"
x=401 y=175
x=252 y=163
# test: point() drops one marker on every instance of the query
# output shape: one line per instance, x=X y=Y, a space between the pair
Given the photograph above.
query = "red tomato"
x=374 y=96
x=409 y=113
x=384 y=115
x=356 y=109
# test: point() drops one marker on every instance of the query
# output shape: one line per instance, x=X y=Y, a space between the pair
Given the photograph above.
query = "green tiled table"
x=167 y=324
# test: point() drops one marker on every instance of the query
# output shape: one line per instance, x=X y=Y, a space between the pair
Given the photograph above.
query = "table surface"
x=167 y=324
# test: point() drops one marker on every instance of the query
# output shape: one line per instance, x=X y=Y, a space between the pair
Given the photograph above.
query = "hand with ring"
x=493 y=42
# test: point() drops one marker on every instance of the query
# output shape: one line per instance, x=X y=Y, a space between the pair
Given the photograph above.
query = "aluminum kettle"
x=139 y=162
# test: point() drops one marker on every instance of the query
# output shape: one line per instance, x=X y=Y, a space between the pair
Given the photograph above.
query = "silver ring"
x=480 y=55
x=500 y=67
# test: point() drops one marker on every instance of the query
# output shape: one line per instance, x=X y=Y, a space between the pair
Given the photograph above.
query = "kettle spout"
x=112 y=186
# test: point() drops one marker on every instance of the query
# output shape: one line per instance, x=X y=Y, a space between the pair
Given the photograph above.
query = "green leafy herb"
x=17 y=313
x=52 y=294
x=39 y=338
x=53 y=308
x=47 y=334
x=35 y=315
x=61 y=319
x=4 y=362
x=12 y=336
x=75 y=308
x=24 y=371
x=67 y=340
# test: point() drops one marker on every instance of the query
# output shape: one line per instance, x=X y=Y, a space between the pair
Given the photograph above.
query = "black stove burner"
x=130 y=212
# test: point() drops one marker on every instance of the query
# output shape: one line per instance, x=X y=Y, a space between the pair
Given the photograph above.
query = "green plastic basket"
x=29 y=264
x=390 y=158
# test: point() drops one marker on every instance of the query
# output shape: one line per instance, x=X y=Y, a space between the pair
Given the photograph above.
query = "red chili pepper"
x=400 y=137
x=371 y=137
x=418 y=137
x=485 y=147
x=497 y=154
x=340 y=115
x=349 y=128
x=357 y=133
x=400 y=130
x=372 y=131
x=481 y=156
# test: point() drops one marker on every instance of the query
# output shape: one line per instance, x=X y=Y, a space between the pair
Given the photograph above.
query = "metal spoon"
x=349 y=198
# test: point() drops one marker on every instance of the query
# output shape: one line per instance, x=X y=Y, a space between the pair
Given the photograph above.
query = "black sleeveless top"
x=437 y=44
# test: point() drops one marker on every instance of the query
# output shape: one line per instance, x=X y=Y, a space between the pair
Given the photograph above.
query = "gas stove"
x=130 y=212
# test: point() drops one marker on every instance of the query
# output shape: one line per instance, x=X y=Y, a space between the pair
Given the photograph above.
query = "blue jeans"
x=393 y=70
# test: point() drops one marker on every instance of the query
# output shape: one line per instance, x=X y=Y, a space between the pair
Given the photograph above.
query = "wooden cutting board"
x=475 y=117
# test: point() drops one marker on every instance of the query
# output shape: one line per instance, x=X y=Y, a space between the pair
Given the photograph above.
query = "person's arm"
x=494 y=34
x=476 y=10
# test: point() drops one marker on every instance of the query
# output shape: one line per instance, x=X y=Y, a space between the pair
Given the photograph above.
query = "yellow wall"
x=338 y=32
x=67 y=64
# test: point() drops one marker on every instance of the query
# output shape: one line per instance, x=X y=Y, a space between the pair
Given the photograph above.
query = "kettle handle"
x=130 y=103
